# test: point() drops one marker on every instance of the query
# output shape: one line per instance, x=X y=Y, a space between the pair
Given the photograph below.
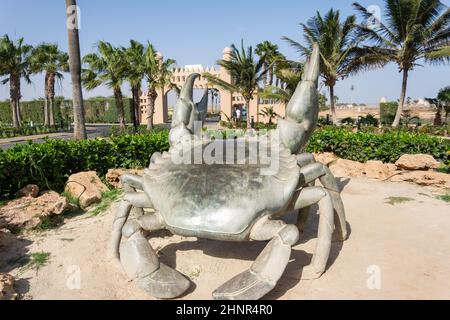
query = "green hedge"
x=49 y=164
x=387 y=147
x=388 y=110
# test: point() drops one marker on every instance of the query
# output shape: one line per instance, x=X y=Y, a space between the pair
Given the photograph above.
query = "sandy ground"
x=394 y=252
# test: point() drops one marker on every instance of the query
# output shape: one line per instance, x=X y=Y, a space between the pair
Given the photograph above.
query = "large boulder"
x=326 y=158
x=28 y=212
x=6 y=287
x=113 y=176
x=347 y=168
x=379 y=170
x=435 y=180
x=30 y=190
x=417 y=162
x=86 y=187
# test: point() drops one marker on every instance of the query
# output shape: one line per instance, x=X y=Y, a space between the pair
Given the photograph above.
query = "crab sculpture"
x=233 y=201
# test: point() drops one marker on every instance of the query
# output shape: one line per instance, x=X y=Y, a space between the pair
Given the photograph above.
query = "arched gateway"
x=228 y=101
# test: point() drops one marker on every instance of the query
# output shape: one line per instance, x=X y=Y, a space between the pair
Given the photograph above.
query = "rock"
x=417 y=162
x=30 y=190
x=379 y=170
x=326 y=158
x=6 y=287
x=113 y=176
x=27 y=212
x=436 y=180
x=86 y=187
x=347 y=168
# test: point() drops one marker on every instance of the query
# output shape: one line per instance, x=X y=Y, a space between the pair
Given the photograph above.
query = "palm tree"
x=107 y=67
x=158 y=75
x=246 y=74
x=290 y=74
x=415 y=30
x=135 y=57
x=49 y=59
x=269 y=52
x=270 y=113
x=75 y=70
x=15 y=65
x=338 y=48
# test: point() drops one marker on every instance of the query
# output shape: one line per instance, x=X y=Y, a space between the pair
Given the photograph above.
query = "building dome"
x=227 y=50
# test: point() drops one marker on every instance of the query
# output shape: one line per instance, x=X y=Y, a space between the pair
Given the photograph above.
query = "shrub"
x=49 y=164
x=388 y=111
x=387 y=147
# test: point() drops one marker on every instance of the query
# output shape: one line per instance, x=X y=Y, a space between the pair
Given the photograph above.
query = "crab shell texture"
x=223 y=201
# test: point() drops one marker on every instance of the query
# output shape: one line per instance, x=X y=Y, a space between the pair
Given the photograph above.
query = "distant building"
x=228 y=101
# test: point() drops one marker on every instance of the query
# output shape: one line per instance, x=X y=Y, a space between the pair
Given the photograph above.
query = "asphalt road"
x=93 y=131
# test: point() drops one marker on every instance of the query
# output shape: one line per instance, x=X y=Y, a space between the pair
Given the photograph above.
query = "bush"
x=388 y=111
x=49 y=164
x=387 y=147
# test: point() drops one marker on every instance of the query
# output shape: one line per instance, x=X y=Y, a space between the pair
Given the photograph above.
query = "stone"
x=417 y=162
x=436 y=180
x=30 y=190
x=86 y=187
x=347 y=168
x=113 y=176
x=379 y=170
x=326 y=158
x=6 y=287
x=27 y=212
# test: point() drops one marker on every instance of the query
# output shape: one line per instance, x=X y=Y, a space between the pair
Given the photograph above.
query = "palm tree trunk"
x=133 y=112
x=46 y=100
x=136 y=106
x=271 y=73
x=19 y=96
x=333 y=105
x=398 y=115
x=13 y=101
x=51 y=95
x=152 y=95
x=249 y=123
x=119 y=106
x=75 y=70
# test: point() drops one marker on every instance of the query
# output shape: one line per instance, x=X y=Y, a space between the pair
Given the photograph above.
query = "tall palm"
x=49 y=59
x=75 y=69
x=290 y=74
x=135 y=58
x=269 y=52
x=246 y=74
x=338 y=48
x=107 y=67
x=14 y=65
x=158 y=74
x=414 y=30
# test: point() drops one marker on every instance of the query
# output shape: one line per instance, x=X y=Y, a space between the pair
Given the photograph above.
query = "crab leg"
x=312 y=170
x=136 y=255
x=309 y=196
x=268 y=268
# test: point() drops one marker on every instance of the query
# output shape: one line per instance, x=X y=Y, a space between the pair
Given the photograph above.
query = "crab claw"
x=302 y=111
x=186 y=112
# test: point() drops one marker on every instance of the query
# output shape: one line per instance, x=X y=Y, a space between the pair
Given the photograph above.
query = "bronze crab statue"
x=230 y=201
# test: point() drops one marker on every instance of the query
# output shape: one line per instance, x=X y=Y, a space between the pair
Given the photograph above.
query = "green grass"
x=35 y=261
x=398 y=200
x=444 y=197
x=71 y=198
x=49 y=223
x=107 y=199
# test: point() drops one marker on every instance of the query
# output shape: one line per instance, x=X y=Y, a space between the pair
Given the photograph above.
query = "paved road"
x=93 y=131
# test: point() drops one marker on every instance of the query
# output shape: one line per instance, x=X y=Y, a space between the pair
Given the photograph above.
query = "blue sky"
x=195 y=32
